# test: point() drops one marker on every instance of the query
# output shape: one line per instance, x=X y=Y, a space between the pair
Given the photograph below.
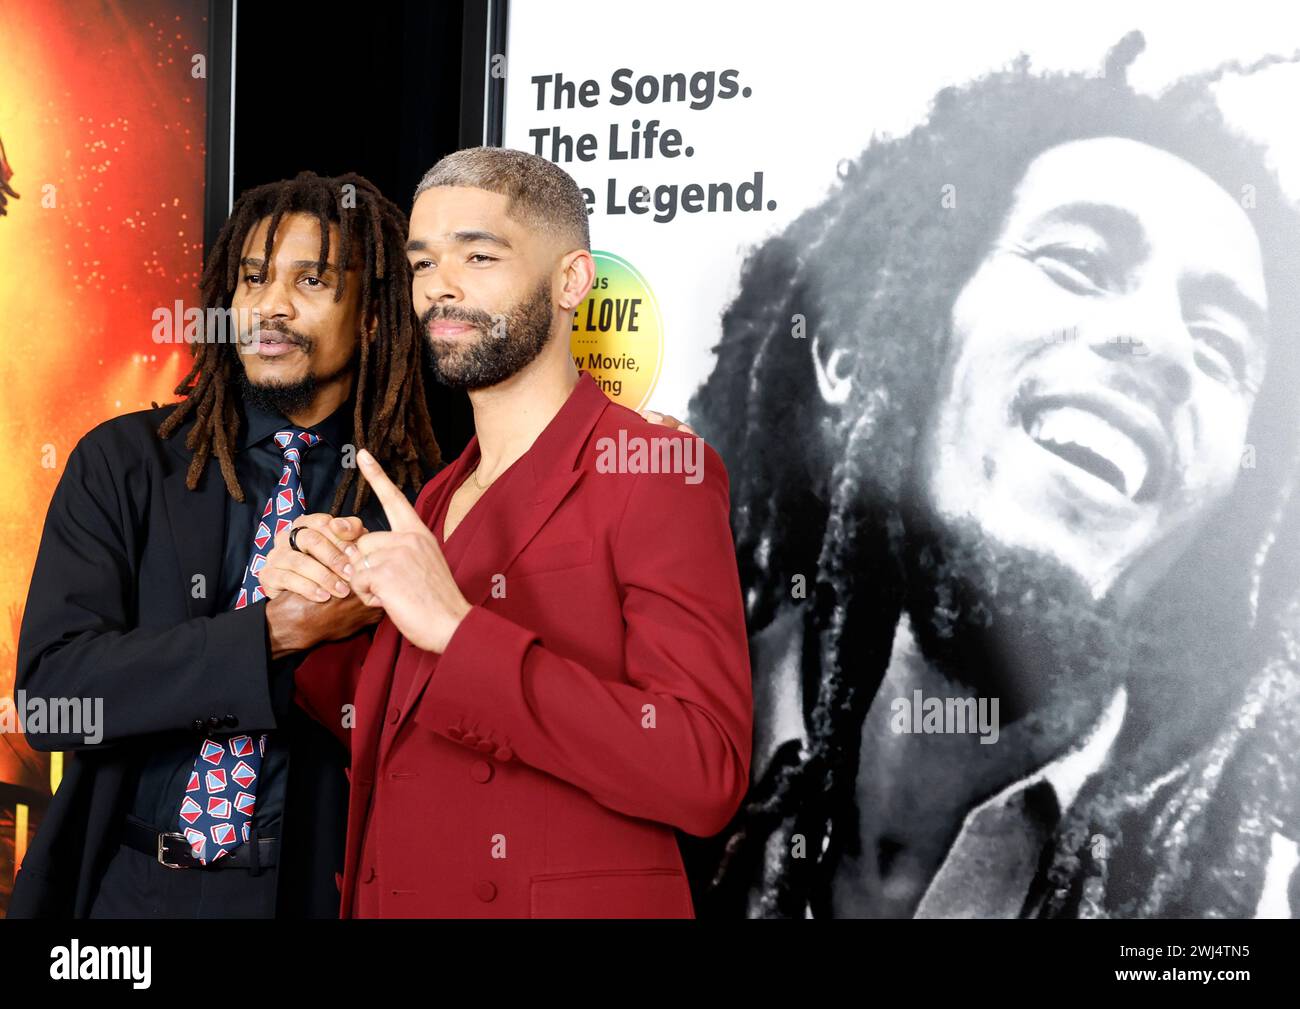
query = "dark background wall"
x=334 y=87
x=373 y=88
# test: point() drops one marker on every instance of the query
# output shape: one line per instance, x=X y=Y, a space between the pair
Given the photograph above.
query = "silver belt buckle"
x=163 y=851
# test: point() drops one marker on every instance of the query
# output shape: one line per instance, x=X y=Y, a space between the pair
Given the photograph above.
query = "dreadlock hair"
x=391 y=416
x=875 y=269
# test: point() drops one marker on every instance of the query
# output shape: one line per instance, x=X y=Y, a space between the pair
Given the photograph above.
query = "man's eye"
x=482 y=257
x=1075 y=269
x=420 y=265
x=252 y=278
x=1218 y=355
x=311 y=281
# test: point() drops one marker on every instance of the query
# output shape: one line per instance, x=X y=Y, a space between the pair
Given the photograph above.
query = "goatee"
x=286 y=398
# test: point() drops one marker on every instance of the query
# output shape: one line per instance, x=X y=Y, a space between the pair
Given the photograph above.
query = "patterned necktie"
x=216 y=812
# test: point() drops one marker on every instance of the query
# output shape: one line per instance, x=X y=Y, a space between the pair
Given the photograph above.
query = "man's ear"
x=577 y=275
x=370 y=326
x=831 y=366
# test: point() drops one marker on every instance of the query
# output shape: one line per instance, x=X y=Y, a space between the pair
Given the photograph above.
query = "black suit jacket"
x=124 y=606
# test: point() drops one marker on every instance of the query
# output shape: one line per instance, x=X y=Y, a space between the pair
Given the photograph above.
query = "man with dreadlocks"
x=1039 y=448
x=145 y=590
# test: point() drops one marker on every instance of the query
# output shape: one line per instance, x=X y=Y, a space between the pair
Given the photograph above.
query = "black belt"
x=174 y=851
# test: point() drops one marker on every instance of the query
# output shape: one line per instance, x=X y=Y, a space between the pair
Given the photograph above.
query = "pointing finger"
x=401 y=516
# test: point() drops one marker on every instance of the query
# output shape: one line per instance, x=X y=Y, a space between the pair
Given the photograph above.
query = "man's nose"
x=276 y=301
x=1153 y=338
x=443 y=285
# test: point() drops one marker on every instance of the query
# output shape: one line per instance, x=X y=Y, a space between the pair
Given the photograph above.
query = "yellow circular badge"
x=618 y=333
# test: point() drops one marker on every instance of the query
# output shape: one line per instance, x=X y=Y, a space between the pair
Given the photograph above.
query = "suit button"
x=214 y=722
x=394 y=715
x=370 y=874
x=199 y=725
x=486 y=746
x=454 y=733
x=481 y=771
x=231 y=721
x=504 y=753
x=485 y=890
x=470 y=739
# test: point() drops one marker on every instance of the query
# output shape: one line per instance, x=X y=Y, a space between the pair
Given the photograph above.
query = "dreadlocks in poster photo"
x=1012 y=425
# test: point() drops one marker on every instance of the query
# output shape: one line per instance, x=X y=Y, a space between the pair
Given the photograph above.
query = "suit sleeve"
x=79 y=646
x=671 y=743
x=326 y=682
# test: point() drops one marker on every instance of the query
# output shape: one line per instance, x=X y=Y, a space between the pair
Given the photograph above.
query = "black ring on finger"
x=293 y=539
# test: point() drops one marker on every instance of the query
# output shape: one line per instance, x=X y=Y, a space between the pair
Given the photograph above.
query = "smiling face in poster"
x=1110 y=445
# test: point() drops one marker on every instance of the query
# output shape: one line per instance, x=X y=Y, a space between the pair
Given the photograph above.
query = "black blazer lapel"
x=197 y=519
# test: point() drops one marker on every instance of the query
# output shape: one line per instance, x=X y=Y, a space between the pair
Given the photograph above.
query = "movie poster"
x=102 y=112
x=993 y=320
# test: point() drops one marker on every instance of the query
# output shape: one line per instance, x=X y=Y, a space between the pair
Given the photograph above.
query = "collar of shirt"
x=1068 y=772
x=259 y=424
x=990 y=865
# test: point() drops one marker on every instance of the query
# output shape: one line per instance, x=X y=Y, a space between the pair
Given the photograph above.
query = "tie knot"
x=295 y=440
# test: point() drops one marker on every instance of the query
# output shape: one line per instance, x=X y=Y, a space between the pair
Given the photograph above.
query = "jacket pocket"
x=611 y=893
x=551 y=557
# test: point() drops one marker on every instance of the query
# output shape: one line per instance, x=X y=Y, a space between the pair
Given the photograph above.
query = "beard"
x=503 y=347
x=279 y=397
x=287 y=398
x=1010 y=622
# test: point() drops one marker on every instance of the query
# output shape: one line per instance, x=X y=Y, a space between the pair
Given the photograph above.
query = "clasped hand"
x=402 y=572
x=343 y=577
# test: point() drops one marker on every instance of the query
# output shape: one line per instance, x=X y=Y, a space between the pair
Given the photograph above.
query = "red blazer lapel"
x=448 y=480
x=546 y=475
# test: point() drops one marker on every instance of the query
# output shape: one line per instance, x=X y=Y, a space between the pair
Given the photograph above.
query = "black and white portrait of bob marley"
x=1011 y=418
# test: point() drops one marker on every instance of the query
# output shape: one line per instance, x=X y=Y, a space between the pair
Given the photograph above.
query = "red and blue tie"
x=216 y=812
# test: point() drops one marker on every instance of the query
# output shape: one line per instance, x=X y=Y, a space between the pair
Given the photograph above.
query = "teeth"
x=1067 y=425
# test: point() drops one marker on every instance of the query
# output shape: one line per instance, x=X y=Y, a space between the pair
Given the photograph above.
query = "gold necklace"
x=474 y=476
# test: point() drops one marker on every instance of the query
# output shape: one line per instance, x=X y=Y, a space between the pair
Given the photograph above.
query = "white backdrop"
x=825 y=76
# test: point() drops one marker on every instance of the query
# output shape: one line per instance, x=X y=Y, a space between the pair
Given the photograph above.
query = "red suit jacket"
x=596 y=696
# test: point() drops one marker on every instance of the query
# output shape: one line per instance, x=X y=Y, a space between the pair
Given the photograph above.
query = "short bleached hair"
x=541 y=194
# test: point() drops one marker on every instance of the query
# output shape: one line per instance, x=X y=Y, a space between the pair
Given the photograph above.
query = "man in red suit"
x=562 y=675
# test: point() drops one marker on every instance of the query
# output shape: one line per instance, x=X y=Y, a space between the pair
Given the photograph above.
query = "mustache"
x=252 y=335
x=475 y=317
